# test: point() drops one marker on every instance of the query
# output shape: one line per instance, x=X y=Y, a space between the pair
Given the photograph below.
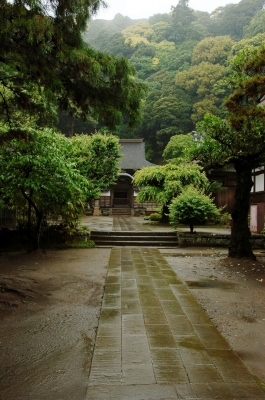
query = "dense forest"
x=182 y=58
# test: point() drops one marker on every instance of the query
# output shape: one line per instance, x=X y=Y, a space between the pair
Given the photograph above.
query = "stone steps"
x=134 y=238
x=121 y=211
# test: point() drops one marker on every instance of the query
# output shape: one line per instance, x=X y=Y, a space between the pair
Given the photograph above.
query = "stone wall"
x=215 y=240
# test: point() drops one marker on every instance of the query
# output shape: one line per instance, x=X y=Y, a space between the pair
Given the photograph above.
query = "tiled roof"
x=133 y=151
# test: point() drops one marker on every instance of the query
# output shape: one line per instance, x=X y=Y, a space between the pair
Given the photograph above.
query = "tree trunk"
x=165 y=212
x=39 y=216
x=29 y=217
x=34 y=237
x=191 y=227
x=29 y=224
x=240 y=233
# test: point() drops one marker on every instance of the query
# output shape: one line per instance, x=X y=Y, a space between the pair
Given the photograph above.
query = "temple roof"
x=133 y=151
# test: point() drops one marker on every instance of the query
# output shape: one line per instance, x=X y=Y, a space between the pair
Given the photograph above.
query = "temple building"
x=120 y=198
x=257 y=197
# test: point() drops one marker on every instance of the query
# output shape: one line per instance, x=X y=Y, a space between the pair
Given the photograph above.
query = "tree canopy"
x=55 y=176
x=96 y=157
x=212 y=49
x=199 y=82
x=185 y=49
x=256 y=26
x=240 y=138
x=42 y=50
x=35 y=176
x=178 y=147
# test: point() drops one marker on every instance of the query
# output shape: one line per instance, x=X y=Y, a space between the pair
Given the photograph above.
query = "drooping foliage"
x=42 y=51
x=161 y=184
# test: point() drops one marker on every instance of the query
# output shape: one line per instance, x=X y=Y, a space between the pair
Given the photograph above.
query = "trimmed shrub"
x=155 y=217
x=191 y=207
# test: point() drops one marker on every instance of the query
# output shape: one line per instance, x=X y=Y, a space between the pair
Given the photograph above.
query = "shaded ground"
x=50 y=305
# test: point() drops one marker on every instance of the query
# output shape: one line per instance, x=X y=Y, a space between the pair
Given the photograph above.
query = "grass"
x=82 y=244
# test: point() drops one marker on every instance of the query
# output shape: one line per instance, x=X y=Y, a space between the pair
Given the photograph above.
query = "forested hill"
x=97 y=27
x=182 y=57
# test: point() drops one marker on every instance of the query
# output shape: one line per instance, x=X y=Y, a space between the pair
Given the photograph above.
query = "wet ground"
x=232 y=294
x=49 y=311
x=153 y=341
x=154 y=338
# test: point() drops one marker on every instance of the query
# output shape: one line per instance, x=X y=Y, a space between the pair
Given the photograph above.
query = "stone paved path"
x=123 y=223
x=155 y=342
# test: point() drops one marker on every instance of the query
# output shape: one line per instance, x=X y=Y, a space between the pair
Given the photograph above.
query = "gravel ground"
x=231 y=291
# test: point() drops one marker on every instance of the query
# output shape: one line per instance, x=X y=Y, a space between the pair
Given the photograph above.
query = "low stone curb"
x=215 y=240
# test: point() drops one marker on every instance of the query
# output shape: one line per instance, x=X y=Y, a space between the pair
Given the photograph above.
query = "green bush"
x=191 y=207
x=82 y=244
x=155 y=217
x=225 y=219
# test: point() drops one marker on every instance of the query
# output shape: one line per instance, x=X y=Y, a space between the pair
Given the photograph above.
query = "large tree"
x=233 y=18
x=239 y=139
x=52 y=176
x=96 y=157
x=41 y=47
x=182 y=20
x=178 y=148
x=214 y=50
x=166 y=112
x=36 y=177
x=256 y=26
x=201 y=82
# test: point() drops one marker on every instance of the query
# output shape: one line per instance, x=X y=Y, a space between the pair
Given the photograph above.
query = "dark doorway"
x=120 y=199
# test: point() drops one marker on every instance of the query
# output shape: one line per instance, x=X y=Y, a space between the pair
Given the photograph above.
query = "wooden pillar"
x=97 y=211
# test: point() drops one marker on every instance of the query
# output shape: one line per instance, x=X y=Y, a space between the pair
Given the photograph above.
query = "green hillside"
x=182 y=58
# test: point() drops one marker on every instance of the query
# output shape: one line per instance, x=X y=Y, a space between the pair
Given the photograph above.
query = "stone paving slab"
x=133 y=392
x=170 y=392
x=155 y=342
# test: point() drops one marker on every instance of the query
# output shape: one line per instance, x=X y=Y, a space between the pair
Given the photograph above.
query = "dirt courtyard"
x=50 y=305
x=49 y=309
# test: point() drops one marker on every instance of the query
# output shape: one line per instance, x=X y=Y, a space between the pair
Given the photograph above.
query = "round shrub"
x=155 y=217
x=191 y=207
